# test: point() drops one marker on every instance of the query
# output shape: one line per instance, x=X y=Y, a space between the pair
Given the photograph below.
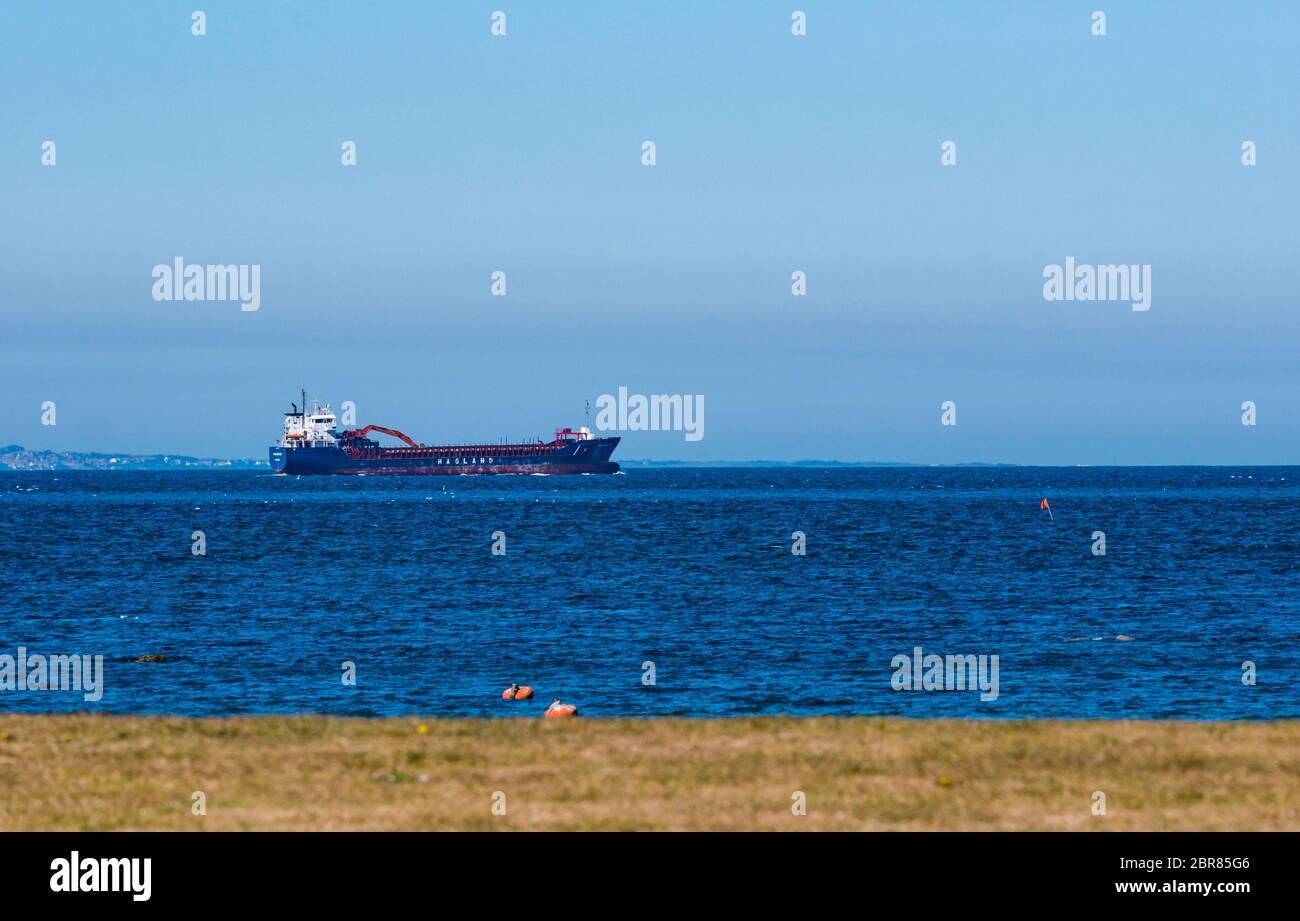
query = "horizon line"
x=642 y=463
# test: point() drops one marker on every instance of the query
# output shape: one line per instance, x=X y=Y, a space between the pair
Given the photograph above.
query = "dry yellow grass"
x=102 y=772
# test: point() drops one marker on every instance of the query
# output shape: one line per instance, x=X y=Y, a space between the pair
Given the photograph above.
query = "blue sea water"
x=690 y=569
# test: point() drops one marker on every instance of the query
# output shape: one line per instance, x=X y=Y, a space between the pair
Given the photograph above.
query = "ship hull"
x=565 y=458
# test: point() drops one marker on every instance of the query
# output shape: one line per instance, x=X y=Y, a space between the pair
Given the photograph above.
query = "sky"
x=774 y=153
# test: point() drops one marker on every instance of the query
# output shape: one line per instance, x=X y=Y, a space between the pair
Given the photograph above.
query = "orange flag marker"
x=1049 y=510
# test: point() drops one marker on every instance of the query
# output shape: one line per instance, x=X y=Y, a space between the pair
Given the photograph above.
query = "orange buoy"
x=517 y=692
x=558 y=710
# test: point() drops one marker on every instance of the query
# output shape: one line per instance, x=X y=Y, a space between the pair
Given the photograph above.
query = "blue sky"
x=775 y=153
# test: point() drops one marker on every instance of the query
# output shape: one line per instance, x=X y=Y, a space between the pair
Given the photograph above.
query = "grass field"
x=101 y=772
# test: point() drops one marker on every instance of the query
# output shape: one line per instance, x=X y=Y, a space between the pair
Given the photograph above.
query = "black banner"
x=335 y=870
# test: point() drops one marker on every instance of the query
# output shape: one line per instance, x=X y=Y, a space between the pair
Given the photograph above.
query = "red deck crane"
x=362 y=433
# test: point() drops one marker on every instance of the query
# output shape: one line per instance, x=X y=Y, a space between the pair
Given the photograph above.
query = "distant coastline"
x=16 y=457
x=648 y=464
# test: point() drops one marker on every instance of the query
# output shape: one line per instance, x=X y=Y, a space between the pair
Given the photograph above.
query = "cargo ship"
x=312 y=444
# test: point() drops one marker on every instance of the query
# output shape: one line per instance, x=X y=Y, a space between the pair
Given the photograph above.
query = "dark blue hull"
x=565 y=457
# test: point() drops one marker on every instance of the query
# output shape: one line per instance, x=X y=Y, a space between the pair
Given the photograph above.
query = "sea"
x=663 y=592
